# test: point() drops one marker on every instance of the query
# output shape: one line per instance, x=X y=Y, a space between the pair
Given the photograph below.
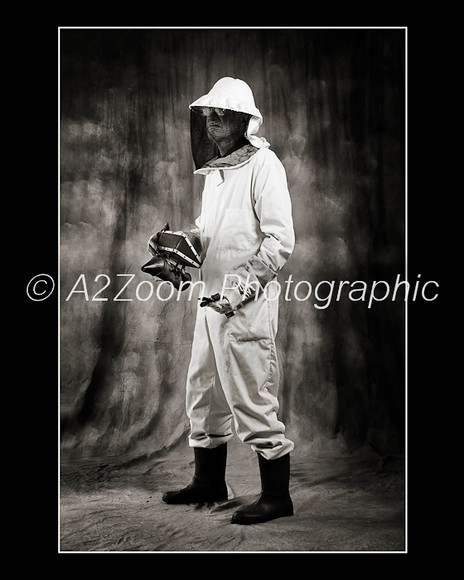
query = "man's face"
x=224 y=124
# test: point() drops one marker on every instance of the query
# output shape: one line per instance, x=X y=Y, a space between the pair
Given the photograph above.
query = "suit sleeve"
x=273 y=209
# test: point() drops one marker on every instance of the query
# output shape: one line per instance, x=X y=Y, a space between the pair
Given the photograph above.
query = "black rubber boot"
x=275 y=501
x=208 y=483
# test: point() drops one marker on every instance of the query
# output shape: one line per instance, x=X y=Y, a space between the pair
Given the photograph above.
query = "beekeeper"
x=247 y=236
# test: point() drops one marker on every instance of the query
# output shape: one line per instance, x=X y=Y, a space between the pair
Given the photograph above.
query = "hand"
x=219 y=304
x=153 y=241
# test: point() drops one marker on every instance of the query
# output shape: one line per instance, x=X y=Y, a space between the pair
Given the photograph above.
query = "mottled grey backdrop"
x=333 y=103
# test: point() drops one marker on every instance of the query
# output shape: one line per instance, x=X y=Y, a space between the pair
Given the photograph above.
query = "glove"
x=153 y=241
x=238 y=294
x=219 y=304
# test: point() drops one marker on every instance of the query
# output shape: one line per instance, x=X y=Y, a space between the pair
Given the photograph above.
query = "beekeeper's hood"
x=227 y=93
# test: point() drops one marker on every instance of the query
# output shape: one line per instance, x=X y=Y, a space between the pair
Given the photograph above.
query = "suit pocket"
x=252 y=322
x=238 y=230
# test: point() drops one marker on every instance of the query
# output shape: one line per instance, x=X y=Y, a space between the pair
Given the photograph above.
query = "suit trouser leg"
x=246 y=366
x=206 y=405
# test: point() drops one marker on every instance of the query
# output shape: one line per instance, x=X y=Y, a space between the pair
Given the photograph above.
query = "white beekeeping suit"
x=247 y=235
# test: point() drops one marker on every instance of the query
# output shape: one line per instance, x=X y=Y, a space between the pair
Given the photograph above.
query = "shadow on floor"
x=347 y=503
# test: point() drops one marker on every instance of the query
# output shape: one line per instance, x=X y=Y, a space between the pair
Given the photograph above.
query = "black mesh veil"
x=203 y=148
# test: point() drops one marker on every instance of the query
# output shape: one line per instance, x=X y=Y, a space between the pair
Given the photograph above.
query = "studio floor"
x=343 y=503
